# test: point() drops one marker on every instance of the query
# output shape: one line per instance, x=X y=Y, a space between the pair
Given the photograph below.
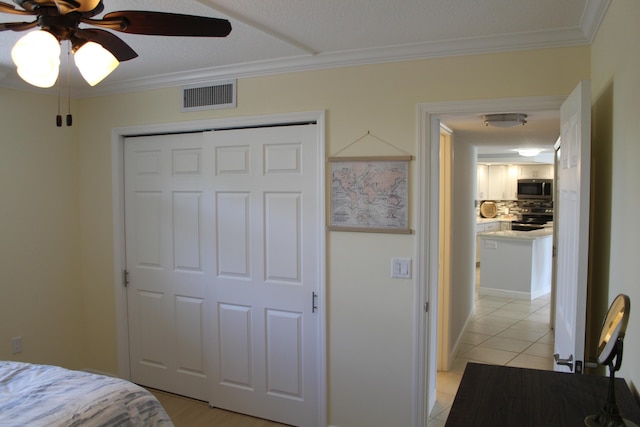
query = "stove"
x=518 y=226
x=533 y=216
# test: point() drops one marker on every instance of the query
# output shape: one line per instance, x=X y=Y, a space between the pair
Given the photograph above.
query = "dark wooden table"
x=502 y=396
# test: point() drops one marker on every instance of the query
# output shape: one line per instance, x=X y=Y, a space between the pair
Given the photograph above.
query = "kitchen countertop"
x=501 y=218
x=518 y=235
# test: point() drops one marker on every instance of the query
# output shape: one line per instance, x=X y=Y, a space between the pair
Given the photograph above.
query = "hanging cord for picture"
x=373 y=136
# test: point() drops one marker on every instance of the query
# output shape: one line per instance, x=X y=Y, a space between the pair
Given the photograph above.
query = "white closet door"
x=164 y=252
x=265 y=230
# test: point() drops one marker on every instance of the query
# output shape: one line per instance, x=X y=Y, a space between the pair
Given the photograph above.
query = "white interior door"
x=572 y=227
x=266 y=205
x=166 y=296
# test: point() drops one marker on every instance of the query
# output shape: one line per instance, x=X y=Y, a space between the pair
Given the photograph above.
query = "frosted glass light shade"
x=37 y=58
x=94 y=62
x=529 y=152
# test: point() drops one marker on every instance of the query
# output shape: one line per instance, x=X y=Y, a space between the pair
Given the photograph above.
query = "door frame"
x=118 y=136
x=427 y=202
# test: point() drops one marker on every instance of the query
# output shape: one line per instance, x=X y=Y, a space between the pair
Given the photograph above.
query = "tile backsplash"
x=504 y=207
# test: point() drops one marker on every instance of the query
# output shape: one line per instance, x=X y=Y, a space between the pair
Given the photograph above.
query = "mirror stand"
x=609 y=416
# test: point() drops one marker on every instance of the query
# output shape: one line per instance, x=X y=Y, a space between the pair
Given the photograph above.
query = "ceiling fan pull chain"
x=69 y=118
x=59 y=116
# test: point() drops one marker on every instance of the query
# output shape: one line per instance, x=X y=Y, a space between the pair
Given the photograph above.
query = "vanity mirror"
x=610 y=354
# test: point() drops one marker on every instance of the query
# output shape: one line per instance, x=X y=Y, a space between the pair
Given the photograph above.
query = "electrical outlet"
x=16 y=345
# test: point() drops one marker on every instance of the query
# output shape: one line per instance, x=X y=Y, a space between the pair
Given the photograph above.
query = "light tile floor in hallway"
x=503 y=331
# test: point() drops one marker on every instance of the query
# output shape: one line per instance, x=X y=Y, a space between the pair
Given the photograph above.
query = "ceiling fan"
x=62 y=20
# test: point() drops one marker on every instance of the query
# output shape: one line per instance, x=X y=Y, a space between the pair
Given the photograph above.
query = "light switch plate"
x=401 y=268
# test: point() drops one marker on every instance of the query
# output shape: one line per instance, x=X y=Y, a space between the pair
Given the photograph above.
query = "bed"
x=42 y=395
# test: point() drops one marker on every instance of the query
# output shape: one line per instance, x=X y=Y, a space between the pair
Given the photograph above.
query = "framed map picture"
x=369 y=194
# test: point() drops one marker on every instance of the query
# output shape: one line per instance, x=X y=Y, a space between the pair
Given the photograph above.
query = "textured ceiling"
x=271 y=36
x=274 y=36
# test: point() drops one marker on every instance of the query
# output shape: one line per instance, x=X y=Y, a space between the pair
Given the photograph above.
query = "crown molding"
x=475 y=46
x=594 y=12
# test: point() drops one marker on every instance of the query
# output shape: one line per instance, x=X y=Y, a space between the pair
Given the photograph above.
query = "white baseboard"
x=456 y=347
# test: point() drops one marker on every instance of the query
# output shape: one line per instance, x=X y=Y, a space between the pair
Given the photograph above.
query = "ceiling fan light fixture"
x=37 y=58
x=94 y=62
x=504 y=120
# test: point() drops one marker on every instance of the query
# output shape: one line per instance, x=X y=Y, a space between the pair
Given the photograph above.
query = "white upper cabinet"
x=511 y=182
x=483 y=182
x=536 y=171
x=497 y=182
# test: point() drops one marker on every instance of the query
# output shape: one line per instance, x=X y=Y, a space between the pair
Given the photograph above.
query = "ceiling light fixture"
x=94 y=62
x=37 y=58
x=529 y=152
x=504 y=120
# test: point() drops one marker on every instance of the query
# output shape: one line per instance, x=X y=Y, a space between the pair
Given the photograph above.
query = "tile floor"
x=503 y=332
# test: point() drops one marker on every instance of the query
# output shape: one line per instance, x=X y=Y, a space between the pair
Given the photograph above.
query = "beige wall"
x=370 y=316
x=39 y=244
x=616 y=95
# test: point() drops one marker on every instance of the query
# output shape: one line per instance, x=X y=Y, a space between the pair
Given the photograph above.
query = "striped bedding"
x=40 y=395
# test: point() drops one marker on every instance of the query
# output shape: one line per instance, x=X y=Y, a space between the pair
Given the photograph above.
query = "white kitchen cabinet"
x=479 y=229
x=515 y=265
x=492 y=226
x=511 y=183
x=485 y=227
x=536 y=171
x=483 y=182
x=497 y=182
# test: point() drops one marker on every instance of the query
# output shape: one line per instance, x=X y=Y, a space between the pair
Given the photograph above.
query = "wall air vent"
x=208 y=96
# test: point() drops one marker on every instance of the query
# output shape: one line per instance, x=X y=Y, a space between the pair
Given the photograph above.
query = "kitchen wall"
x=371 y=340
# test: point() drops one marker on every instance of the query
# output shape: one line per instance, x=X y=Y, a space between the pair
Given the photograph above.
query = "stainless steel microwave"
x=538 y=189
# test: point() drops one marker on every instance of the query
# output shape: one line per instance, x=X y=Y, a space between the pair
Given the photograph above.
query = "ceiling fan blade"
x=17 y=26
x=166 y=24
x=8 y=8
x=111 y=42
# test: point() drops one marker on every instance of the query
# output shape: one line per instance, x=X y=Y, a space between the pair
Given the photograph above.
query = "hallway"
x=503 y=331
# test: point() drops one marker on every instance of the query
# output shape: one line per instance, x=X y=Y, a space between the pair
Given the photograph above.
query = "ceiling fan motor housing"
x=61 y=26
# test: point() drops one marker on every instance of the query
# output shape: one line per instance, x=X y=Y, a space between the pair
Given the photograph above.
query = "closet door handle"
x=314 y=300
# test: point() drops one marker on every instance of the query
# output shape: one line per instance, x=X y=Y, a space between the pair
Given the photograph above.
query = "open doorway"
x=503 y=322
x=518 y=264
x=431 y=116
